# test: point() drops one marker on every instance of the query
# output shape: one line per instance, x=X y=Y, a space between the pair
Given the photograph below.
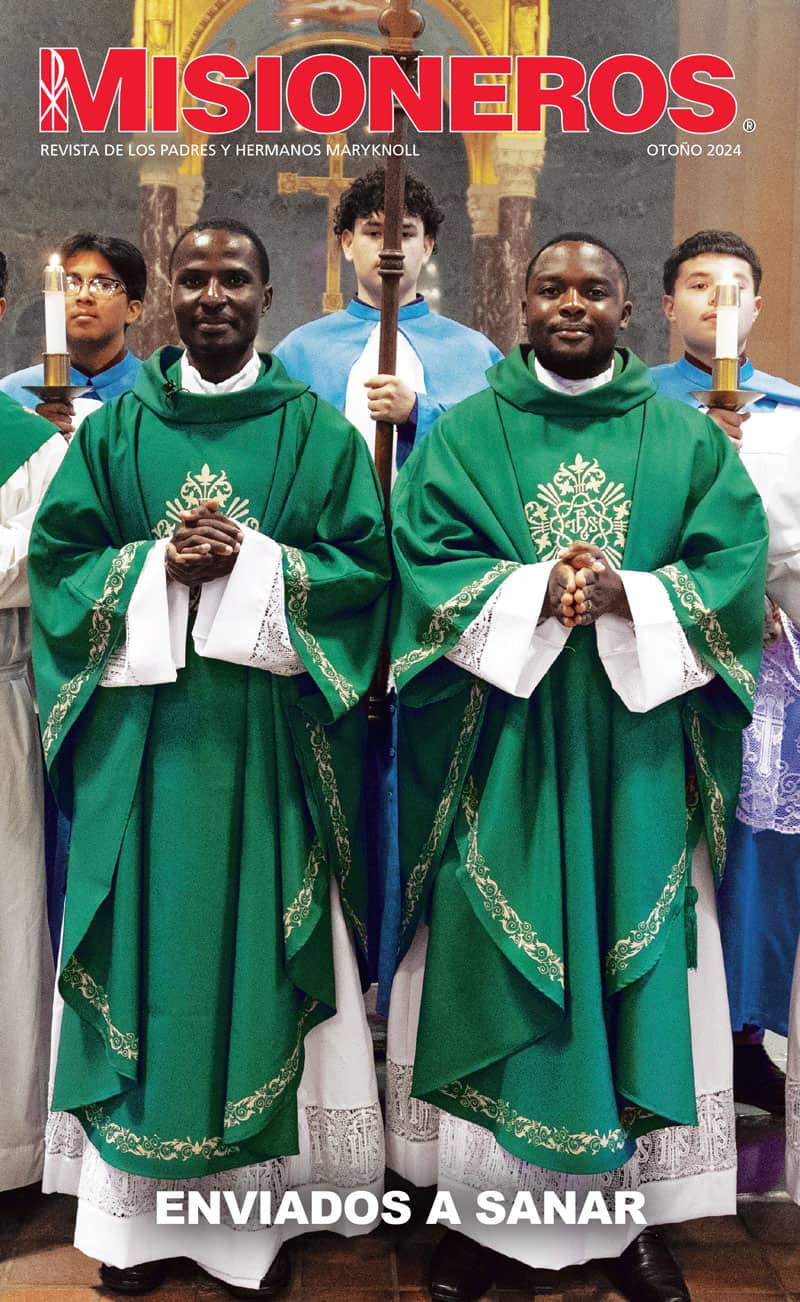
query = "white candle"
x=727 y=304
x=55 y=308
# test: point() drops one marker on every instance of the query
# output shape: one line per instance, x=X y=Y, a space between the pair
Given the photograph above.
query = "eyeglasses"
x=99 y=286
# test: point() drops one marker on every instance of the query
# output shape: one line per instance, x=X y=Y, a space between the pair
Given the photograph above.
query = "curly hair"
x=365 y=196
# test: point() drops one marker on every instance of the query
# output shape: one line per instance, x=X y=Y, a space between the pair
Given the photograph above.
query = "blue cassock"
x=759 y=898
x=677 y=379
x=105 y=386
x=109 y=384
x=454 y=360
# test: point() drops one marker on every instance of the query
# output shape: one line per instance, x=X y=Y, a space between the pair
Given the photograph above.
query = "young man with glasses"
x=105 y=280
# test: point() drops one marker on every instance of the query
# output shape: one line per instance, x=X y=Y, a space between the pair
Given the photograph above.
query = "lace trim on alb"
x=696 y=673
x=346 y=1145
x=470 y=1155
x=468 y=650
x=273 y=650
x=118 y=672
x=346 y=1151
x=408 y=1118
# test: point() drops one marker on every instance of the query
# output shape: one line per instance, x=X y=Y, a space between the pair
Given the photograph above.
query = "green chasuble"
x=547 y=841
x=21 y=434
x=208 y=813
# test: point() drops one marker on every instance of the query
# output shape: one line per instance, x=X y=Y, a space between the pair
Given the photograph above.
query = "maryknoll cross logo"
x=52 y=92
x=64 y=85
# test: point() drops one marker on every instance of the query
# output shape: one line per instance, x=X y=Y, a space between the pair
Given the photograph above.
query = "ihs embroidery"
x=579 y=505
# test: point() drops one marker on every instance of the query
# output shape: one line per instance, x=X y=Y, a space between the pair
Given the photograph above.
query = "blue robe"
x=759 y=897
x=677 y=379
x=108 y=384
x=454 y=360
x=111 y=383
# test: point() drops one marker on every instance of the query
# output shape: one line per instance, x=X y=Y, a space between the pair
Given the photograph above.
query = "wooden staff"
x=401 y=25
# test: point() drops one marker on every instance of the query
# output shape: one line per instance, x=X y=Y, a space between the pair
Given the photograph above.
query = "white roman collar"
x=193 y=382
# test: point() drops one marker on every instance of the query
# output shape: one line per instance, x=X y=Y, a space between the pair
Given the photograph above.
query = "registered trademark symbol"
x=749 y=125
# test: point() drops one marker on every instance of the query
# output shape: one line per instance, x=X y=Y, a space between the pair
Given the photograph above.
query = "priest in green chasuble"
x=576 y=640
x=209 y=579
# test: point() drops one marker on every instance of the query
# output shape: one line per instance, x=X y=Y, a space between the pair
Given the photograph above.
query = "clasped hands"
x=583 y=586
x=204 y=546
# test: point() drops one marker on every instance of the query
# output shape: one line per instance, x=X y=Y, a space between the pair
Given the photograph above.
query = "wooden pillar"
x=757 y=191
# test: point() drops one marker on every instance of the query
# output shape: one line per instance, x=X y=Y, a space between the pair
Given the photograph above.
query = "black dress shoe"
x=277 y=1278
x=647 y=1271
x=133 y=1279
x=461 y=1270
x=756 y=1079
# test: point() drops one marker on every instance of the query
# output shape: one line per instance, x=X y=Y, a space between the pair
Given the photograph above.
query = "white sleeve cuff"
x=769 y=441
x=20 y=497
x=155 y=628
x=648 y=661
x=783 y=581
x=505 y=644
x=242 y=618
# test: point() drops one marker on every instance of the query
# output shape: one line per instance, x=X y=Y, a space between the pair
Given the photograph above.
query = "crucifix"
x=329 y=187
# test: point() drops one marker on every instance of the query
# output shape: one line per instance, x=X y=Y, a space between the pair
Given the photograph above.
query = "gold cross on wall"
x=329 y=187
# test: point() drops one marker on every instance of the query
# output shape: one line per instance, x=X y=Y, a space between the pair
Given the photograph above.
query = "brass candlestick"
x=725 y=391
x=57 y=386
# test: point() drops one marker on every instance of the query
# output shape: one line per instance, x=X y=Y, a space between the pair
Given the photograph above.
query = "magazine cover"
x=216 y=1121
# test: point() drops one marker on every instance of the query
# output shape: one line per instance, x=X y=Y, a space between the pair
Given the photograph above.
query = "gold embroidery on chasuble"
x=297 y=912
x=517 y=928
x=298 y=586
x=707 y=621
x=715 y=801
x=205 y=485
x=555 y=1138
x=580 y=504
x=442 y=619
x=320 y=747
x=76 y=978
x=186 y=1148
x=644 y=933
x=100 y=630
x=432 y=847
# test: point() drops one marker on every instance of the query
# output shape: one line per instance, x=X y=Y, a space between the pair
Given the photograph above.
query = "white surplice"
x=26 y=963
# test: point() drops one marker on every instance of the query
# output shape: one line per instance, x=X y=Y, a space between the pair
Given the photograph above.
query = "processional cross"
x=402 y=25
x=329 y=187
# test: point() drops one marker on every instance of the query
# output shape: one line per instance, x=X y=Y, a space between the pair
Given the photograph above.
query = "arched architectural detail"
x=495 y=161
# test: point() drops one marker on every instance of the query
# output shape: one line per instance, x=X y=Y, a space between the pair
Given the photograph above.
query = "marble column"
x=158 y=228
x=482 y=208
x=518 y=161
